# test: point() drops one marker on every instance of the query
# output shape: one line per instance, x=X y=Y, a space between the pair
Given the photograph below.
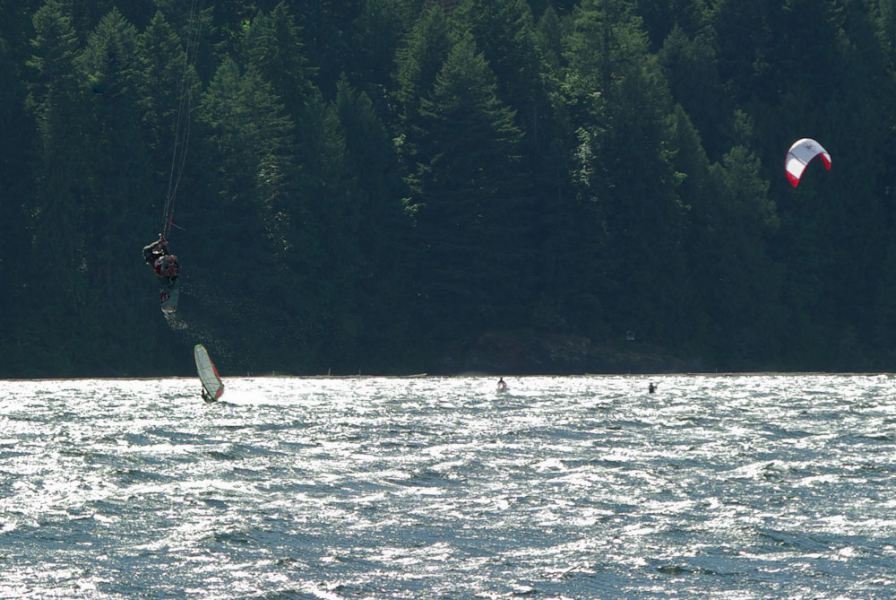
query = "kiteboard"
x=169 y=296
x=208 y=374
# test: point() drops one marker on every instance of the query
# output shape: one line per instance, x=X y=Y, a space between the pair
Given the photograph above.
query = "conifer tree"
x=471 y=216
x=505 y=33
x=747 y=278
x=690 y=66
x=121 y=217
x=249 y=144
x=272 y=44
x=366 y=174
x=16 y=27
x=166 y=85
x=376 y=35
x=418 y=64
x=624 y=105
x=326 y=26
x=549 y=36
x=660 y=17
x=885 y=25
x=381 y=271
x=16 y=185
x=60 y=293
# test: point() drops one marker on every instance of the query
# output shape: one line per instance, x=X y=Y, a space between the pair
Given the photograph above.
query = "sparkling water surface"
x=760 y=486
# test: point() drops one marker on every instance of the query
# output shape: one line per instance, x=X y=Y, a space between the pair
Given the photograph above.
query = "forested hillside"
x=411 y=185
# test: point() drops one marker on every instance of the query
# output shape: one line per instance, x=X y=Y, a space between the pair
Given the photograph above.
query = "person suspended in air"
x=163 y=262
x=158 y=256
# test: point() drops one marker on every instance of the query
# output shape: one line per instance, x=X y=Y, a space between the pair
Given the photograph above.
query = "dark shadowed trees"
x=380 y=184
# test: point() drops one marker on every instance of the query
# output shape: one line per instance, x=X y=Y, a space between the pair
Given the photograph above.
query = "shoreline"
x=483 y=375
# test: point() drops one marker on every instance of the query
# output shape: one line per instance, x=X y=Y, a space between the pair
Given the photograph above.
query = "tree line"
x=417 y=185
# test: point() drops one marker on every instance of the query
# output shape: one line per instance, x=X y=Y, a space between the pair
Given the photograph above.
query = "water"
x=578 y=487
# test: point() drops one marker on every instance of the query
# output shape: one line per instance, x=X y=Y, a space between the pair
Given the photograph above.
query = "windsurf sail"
x=208 y=373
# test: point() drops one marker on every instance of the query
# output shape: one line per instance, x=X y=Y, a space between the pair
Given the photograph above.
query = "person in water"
x=502 y=385
x=651 y=388
x=206 y=396
x=163 y=262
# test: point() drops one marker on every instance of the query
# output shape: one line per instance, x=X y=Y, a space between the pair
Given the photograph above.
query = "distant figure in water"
x=651 y=388
x=502 y=385
x=206 y=396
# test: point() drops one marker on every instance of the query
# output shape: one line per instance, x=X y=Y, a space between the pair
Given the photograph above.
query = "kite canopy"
x=801 y=154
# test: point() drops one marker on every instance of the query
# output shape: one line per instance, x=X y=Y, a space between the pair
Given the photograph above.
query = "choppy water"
x=582 y=487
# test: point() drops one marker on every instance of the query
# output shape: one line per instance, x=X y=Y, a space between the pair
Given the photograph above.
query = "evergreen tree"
x=885 y=20
x=272 y=45
x=327 y=25
x=884 y=313
x=737 y=285
x=549 y=36
x=202 y=39
x=469 y=211
x=376 y=36
x=624 y=109
x=60 y=294
x=885 y=310
x=505 y=33
x=16 y=186
x=328 y=190
x=16 y=28
x=167 y=84
x=119 y=220
x=746 y=34
x=382 y=236
x=250 y=147
x=859 y=224
x=747 y=279
x=690 y=67
x=700 y=194
x=418 y=64
x=582 y=167
x=660 y=17
x=86 y=15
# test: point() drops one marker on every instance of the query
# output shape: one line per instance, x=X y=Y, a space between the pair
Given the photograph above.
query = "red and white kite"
x=801 y=154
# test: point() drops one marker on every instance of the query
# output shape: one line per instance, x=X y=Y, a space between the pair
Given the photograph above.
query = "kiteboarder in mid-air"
x=164 y=263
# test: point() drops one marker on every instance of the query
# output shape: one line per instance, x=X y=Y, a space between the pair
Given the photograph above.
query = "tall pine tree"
x=471 y=216
x=60 y=294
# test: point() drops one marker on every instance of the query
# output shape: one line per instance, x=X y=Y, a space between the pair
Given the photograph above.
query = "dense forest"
x=398 y=186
